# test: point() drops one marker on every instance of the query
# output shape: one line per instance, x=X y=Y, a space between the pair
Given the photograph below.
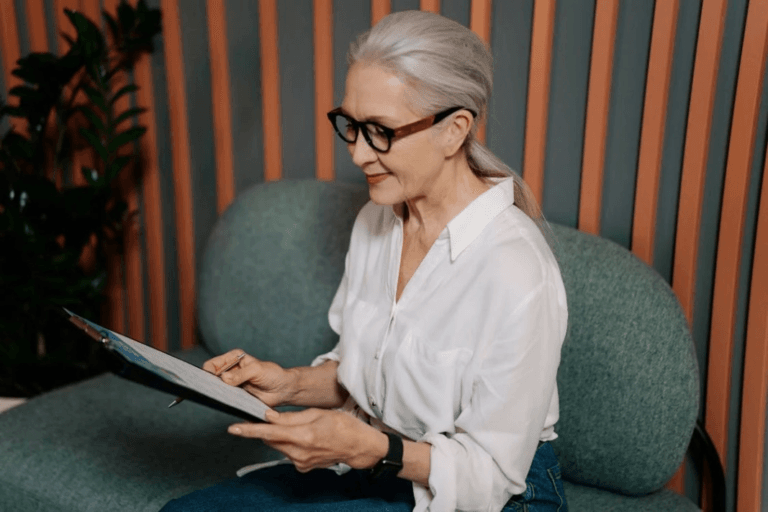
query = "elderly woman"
x=441 y=393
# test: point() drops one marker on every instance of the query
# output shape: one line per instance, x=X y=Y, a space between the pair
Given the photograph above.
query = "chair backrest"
x=628 y=379
x=271 y=267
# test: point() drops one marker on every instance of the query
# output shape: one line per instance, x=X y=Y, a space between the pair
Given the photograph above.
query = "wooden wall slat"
x=538 y=96
x=152 y=213
x=222 y=104
x=696 y=151
x=270 y=83
x=732 y=217
x=177 y=106
x=379 y=9
x=38 y=37
x=9 y=37
x=755 y=383
x=480 y=24
x=132 y=256
x=323 y=55
x=430 y=5
x=596 y=125
x=654 y=124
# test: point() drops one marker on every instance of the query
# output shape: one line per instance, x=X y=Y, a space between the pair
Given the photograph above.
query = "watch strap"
x=392 y=463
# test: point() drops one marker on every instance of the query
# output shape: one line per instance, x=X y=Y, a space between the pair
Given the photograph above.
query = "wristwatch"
x=392 y=463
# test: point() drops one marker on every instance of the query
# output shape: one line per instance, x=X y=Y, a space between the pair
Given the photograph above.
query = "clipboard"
x=140 y=363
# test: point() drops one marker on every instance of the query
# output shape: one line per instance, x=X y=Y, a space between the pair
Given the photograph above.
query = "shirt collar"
x=467 y=225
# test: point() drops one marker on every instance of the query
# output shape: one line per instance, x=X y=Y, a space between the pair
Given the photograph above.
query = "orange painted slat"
x=9 y=38
x=222 y=105
x=65 y=29
x=654 y=123
x=177 y=106
x=755 y=384
x=153 y=222
x=63 y=25
x=430 y=5
x=323 y=48
x=480 y=23
x=131 y=237
x=379 y=9
x=90 y=8
x=696 y=150
x=270 y=84
x=596 y=125
x=538 y=96
x=38 y=37
x=732 y=216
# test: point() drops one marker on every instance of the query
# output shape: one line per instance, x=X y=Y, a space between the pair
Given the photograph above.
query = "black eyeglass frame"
x=390 y=133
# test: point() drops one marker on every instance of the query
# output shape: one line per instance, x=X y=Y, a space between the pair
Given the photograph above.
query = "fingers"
x=214 y=364
x=244 y=372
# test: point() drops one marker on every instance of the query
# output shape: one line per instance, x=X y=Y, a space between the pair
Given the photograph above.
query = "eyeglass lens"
x=347 y=128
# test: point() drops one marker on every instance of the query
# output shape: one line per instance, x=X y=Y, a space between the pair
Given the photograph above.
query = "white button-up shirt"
x=467 y=359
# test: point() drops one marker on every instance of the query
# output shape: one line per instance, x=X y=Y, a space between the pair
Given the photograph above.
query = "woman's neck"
x=428 y=214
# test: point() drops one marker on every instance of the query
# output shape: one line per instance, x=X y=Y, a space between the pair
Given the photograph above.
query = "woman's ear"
x=456 y=132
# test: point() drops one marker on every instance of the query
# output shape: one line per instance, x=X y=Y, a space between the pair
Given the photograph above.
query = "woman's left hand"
x=318 y=438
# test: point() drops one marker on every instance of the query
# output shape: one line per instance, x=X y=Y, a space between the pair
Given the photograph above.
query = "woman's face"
x=413 y=163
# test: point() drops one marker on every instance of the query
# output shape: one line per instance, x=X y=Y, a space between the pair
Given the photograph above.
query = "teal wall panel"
x=297 y=88
x=197 y=74
x=674 y=135
x=242 y=18
x=350 y=18
x=622 y=145
x=511 y=27
x=457 y=10
x=571 y=52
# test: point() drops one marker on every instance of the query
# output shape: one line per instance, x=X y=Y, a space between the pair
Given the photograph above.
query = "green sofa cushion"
x=271 y=267
x=110 y=444
x=628 y=381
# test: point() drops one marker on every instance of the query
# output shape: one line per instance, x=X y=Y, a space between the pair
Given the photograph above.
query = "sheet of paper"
x=181 y=372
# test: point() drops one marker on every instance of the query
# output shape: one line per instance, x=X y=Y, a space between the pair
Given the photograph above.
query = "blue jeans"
x=284 y=488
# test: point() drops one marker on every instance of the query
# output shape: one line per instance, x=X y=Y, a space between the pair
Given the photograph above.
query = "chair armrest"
x=702 y=444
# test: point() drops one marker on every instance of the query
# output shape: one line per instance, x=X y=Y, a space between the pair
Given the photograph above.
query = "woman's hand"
x=318 y=438
x=267 y=381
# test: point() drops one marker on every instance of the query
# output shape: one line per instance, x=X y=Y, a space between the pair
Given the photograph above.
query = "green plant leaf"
x=18 y=146
x=97 y=98
x=113 y=28
x=93 y=139
x=126 y=16
x=127 y=115
x=93 y=117
x=36 y=68
x=123 y=138
x=89 y=37
x=116 y=166
x=123 y=91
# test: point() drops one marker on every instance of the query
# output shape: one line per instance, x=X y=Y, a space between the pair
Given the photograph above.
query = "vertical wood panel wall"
x=248 y=84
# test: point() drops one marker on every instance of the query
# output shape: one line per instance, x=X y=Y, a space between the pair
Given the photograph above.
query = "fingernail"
x=271 y=415
x=235 y=430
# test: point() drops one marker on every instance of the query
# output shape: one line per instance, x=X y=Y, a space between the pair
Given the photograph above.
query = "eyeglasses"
x=380 y=137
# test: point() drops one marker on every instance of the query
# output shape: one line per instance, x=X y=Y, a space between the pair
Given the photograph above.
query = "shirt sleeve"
x=335 y=316
x=487 y=460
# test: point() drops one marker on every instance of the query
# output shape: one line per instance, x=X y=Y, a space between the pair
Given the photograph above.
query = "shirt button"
x=372 y=402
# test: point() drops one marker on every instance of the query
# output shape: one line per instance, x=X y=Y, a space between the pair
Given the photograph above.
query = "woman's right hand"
x=267 y=381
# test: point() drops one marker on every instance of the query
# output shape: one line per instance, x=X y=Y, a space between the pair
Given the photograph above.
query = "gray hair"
x=443 y=64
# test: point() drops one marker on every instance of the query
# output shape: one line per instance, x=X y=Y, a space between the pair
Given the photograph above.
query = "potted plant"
x=54 y=240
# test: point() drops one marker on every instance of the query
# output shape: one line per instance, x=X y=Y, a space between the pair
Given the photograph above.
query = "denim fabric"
x=543 y=485
x=283 y=488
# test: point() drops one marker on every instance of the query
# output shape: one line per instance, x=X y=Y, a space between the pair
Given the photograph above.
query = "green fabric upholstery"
x=110 y=444
x=628 y=380
x=628 y=388
x=272 y=266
